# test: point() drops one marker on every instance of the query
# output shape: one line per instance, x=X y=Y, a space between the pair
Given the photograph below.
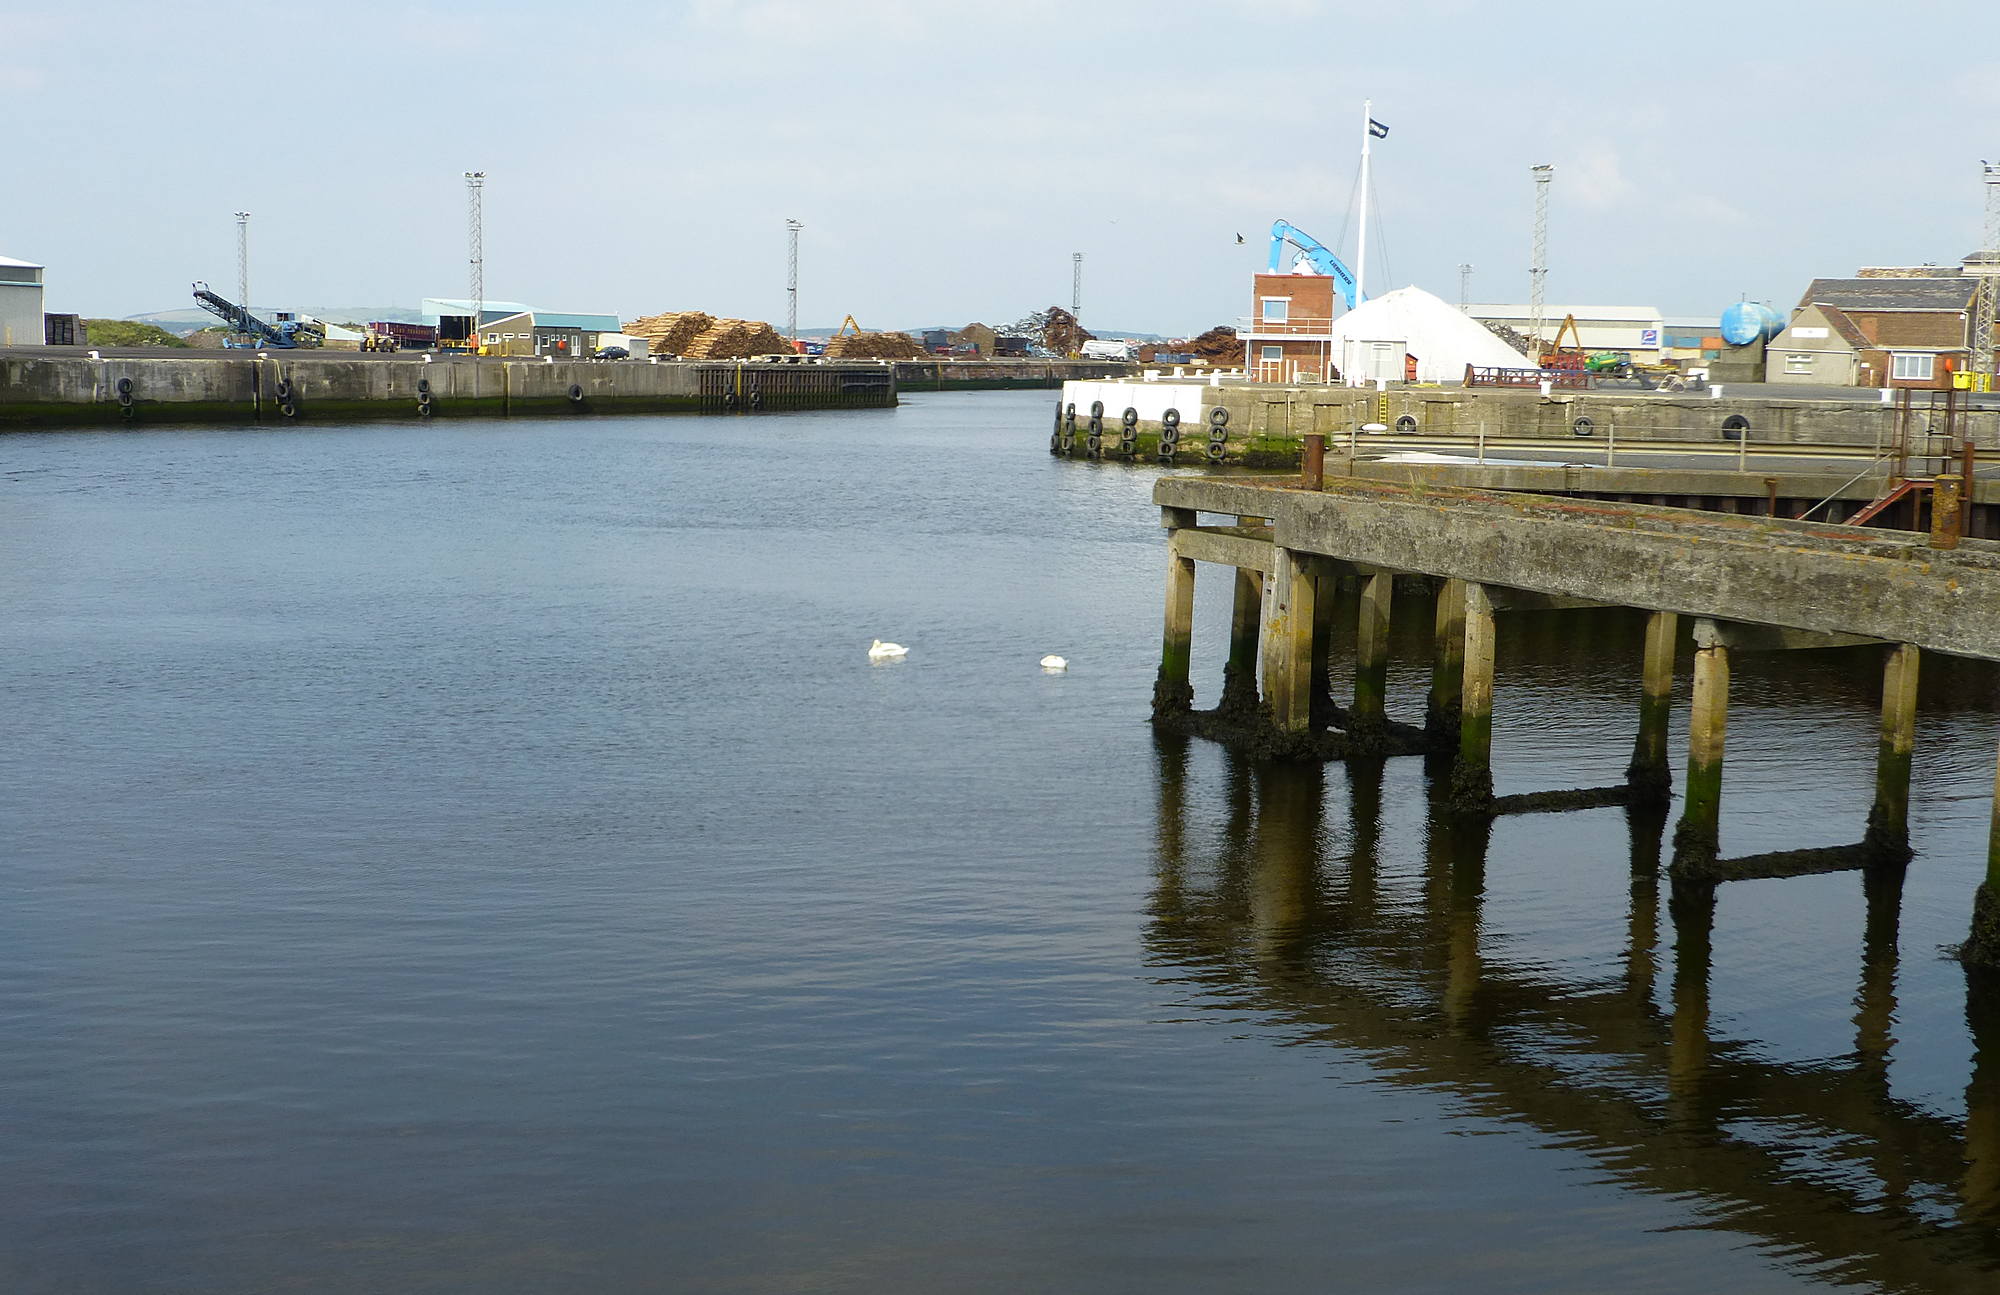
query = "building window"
x=1916 y=368
x=1798 y=364
x=493 y=339
x=1273 y=354
x=1277 y=309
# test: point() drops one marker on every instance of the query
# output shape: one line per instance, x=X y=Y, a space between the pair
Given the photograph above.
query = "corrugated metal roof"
x=1892 y=294
x=588 y=323
x=1554 y=313
x=22 y=265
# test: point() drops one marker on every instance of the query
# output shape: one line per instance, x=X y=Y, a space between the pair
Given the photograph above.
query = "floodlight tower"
x=1986 y=305
x=1539 y=271
x=1464 y=284
x=792 y=228
x=475 y=239
x=1076 y=284
x=243 y=259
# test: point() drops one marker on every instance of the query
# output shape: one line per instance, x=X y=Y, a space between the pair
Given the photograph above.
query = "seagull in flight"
x=1239 y=238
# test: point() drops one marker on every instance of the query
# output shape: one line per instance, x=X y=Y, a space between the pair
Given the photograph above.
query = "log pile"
x=737 y=339
x=671 y=333
x=874 y=346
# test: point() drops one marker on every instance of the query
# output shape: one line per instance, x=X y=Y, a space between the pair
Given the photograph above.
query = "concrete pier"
x=1751 y=583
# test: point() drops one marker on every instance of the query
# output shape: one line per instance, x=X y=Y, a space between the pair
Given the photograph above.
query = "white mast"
x=1361 y=252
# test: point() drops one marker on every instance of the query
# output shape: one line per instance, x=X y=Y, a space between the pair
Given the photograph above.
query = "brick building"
x=1289 y=336
x=1889 y=326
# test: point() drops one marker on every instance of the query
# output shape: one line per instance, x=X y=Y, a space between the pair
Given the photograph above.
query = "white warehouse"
x=20 y=303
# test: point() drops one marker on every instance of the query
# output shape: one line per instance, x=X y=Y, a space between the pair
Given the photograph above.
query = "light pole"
x=792 y=228
x=475 y=239
x=243 y=259
x=1076 y=284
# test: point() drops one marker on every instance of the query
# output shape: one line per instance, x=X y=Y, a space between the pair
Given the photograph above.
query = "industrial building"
x=1888 y=326
x=20 y=303
x=513 y=328
x=1640 y=331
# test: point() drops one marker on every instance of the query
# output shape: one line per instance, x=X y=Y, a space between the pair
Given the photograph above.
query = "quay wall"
x=1004 y=375
x=61 y=390
x=1280 y=416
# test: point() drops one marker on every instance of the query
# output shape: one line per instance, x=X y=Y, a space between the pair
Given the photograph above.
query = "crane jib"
x=1320 y=256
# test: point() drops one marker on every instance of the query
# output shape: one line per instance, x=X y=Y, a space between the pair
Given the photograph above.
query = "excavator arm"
x=1317 y=255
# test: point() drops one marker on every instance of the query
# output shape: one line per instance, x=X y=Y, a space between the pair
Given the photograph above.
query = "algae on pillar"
x=1447 y=668
x=1650 y=776
x=1326 y=591
x=1172 y=693
x=1699 y=834
x=1888 y=838
x=1472 y=776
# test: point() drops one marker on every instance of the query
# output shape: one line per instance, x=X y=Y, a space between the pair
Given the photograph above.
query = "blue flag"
x=1377 y=129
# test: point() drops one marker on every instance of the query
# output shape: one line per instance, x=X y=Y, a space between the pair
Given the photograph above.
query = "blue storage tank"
x=1750 y=321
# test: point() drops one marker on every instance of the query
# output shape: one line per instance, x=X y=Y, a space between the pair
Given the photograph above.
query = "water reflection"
x=1277 y=905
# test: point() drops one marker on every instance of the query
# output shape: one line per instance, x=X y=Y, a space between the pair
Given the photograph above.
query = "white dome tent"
x=1370 y=341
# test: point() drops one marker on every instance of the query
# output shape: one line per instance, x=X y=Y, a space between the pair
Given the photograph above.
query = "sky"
x=947 y=159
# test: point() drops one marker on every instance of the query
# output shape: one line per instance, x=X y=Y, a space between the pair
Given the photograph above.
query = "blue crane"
x=1319 y=256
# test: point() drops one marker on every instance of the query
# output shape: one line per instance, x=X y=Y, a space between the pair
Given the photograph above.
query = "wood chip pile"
x=874 y=346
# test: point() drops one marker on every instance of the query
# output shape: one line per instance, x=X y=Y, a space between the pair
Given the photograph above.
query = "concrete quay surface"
x=65 y=386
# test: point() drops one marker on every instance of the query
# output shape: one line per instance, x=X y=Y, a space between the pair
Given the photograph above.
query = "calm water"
x=481 y=858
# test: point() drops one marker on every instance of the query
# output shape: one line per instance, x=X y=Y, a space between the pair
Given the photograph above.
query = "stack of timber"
x=874 y=346
x=737 y=339
x=671 y=333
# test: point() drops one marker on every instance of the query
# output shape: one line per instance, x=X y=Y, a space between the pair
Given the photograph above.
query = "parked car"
x=610 y=353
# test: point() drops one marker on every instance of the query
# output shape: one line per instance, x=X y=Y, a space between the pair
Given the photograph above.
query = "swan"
x=880 y=651
x=1055 y=664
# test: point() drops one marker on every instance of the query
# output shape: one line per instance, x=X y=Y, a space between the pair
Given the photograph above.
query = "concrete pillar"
x=1288 y=634
x=1172 y=693
x=1472 y=776
x=1239 y=677
x=1698 y=836
x=1447 y=667
x=1371 y=656
x=1888 y=836
x=1649 y=776
x=1982 y=947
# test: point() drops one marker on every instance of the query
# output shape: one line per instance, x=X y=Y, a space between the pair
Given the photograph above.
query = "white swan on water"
x=880 y=651
x=1055 y=664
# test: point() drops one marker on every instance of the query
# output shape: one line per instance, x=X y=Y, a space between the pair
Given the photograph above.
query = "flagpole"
x=1361 y=256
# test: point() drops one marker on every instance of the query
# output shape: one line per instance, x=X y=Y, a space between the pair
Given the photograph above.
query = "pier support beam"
x=1699 y=834
x=1447 y=667
x=1326 y=592
x=1472 y=776
x=1369 y=714
x=1172 y=693
x=1649 y=775
x=1888 y=838
x=1288 y=643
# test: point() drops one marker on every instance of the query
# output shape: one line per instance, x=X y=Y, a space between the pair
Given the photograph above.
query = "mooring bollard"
x=1315 y=461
